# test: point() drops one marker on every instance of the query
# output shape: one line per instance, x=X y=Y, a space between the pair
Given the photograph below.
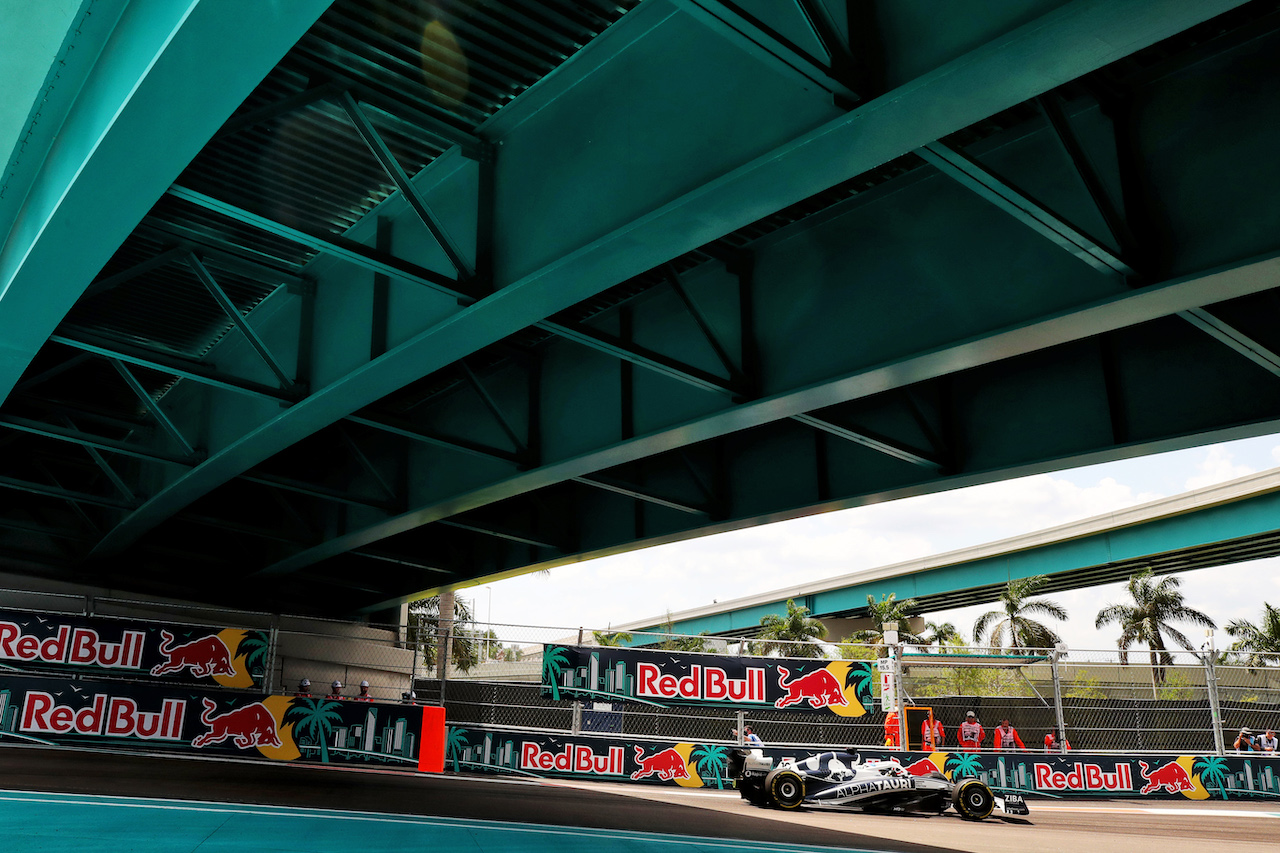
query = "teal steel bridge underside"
x=1164 y=537
x=318 y=306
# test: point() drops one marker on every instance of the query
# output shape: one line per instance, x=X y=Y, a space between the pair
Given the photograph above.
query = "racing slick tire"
x=972 y=799
x=786 y=788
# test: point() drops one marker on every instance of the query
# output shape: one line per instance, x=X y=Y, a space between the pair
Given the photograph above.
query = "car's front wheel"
x=786 y=789
x=972 y=799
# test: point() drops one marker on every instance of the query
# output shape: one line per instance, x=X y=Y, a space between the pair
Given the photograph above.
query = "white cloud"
x=1218 y=467
x=648 y=583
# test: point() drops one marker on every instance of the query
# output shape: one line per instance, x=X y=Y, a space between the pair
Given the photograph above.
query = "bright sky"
x=653 y=581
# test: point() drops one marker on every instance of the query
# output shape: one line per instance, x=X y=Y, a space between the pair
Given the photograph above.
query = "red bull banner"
x=705 y=765
x=1191 y=776
x=162 y=718
x=689 y=765
x=51 y=642
x=840 y=687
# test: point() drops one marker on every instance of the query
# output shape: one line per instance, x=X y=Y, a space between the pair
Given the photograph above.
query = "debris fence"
x=490 y=674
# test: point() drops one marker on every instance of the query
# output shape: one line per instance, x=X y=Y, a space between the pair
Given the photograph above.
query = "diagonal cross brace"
x=974 y=176
x=233 y=314
x=401 y=179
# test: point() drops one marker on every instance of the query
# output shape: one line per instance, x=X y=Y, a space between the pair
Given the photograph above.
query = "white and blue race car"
x=841 y=780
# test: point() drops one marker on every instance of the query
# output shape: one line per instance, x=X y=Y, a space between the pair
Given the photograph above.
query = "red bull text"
x=702 y=683
x=1172 y=777
x=666 y=765
x=819 y=688
x=105 y=716
x=205 y=656
x=574 y=758
x=1083 y=777
x=79 y=646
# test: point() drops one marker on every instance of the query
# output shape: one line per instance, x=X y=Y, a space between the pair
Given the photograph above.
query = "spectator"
x=335 y=690
x=892 y=734
x=1267 y=742
x=971 y=732
x=364 y=693
x=1006 y=736
x=304 y=687
x=1052 y=743
x=932 y=734
x=749 y=737
x=409 y=697
x=1244 y=741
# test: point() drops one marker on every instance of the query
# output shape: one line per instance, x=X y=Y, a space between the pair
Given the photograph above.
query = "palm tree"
x=455 y=740
x=253 y=648
x=1213 y=771
x=940 y=635
x=554 y=660
x=1261 y=642
x=439 y=638
x=1147 y=620
x=712 y=761
x=674 y=643
x=887 y=609
x=793 y=635
x=314 y=718
x=963 y=764
x=1012 y=618
x=861 y=677
x=617 y=638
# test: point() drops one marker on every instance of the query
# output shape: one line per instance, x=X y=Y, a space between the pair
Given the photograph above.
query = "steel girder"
x=913 y=338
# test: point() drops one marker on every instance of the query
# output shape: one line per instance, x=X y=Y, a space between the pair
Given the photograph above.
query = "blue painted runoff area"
x=77 y=823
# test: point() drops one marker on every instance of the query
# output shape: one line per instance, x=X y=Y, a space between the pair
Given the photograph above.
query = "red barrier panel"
x=431 y=752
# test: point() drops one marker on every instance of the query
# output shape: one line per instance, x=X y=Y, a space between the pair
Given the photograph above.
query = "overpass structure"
x=317 y=306
x=1226 y=523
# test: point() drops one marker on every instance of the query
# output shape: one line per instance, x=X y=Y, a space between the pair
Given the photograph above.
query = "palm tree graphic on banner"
x=554 y=660
x=253 y=648
x=314 y=718
x=712 y=762
x=860 y=677
x=963 y=764
x=1213 y=772
x=455 y=740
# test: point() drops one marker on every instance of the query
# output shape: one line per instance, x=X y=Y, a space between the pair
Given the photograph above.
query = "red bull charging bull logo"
x=1172 y=777
x=922 y=767
x=205 y=656
x=819 y=688
x=667 y=764
x=249 y=725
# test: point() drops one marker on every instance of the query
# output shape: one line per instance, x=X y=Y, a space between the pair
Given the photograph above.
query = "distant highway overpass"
x=1218 y=525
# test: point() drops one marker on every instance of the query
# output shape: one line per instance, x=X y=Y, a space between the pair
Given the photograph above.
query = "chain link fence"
x=1105 y=700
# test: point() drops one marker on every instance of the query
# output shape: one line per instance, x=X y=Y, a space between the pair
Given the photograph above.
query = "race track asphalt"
x=1071 y=826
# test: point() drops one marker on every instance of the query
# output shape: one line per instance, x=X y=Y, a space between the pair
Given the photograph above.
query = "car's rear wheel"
x=972 y=799
x=786 y=789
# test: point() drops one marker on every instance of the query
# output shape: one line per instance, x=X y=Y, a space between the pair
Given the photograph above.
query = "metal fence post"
x=575 y=725
x=273 y=650
x=1215 y=710
x=444 y=660
x=1057 y=696
x=900 y=696
x=413 y=667
x=742 y=724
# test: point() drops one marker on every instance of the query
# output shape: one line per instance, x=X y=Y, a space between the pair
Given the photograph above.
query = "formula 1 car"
x=841 y=780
